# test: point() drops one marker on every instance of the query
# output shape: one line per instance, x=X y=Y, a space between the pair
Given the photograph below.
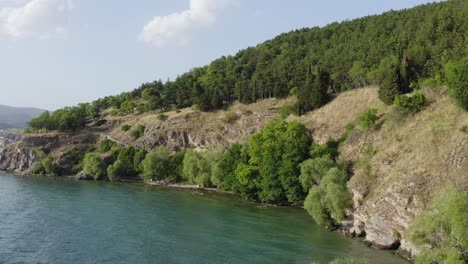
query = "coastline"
x=344 y=228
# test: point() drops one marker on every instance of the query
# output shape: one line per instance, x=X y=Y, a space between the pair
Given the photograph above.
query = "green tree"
x=457 y=80
x=313 y=170
x=326 y=202
x=389 y=87
x=94 y=166
x=157 y=165
x=118 y=170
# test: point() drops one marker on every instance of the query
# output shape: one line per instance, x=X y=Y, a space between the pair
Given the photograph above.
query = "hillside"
x=315 y=64
x=17 y=117
x=411 y=157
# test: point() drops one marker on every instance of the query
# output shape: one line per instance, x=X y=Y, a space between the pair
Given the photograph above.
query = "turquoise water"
x=58 y=221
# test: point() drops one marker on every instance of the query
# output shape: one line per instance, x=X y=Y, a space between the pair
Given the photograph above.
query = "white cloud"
x=176 y=27
x=35 y=18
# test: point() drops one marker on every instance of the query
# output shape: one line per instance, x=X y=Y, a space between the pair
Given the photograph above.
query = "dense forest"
x=398 y=50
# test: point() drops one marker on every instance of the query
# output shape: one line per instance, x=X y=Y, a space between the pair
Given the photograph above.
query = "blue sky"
x=55 y=53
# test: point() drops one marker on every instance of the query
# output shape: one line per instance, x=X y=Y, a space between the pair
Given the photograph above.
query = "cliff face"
x=21 y=157
x=398 y=165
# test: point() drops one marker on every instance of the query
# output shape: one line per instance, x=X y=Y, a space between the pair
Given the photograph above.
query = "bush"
x=126 y=128
x=457 y=80
x=230 y=117
x=106 y=145
x=368 y=118
x=410 y=104
x=94 y=166
x=443 y=228
x=161 y=117
x=138 y=132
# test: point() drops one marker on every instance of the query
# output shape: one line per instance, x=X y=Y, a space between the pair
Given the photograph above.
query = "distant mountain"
x=17 y=117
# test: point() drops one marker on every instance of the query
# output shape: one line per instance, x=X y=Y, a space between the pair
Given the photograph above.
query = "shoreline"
x=342 y=229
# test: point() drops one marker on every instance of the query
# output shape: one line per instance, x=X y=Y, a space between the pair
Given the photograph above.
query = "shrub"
x=410 y=104
x=126 y=128
x=368 y=118
x=106 y=145
x=443 y=228
x=457 y=80
x=138 y=132
x=94 y=166
x=161 y=117
x=230 y=117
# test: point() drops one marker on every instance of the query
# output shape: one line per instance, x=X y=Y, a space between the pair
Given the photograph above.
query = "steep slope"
x=17 y=117
x=398 y=165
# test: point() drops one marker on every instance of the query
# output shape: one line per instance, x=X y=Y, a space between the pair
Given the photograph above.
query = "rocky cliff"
x=398 y=164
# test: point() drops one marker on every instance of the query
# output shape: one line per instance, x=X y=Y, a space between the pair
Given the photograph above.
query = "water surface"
x=59 y=221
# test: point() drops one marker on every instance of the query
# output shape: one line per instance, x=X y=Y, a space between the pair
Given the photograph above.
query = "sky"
x=56 y=53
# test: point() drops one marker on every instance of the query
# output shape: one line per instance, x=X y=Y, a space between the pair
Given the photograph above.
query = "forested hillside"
x=315 y=64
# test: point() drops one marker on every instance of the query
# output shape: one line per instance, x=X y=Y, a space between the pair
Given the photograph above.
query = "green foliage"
x=277 y=151
x=138 y=132
x=248 y=179
x=286 y=110
x=457 y=80
x=161 y=117
x=75 y=159
x=201 y=167
x=126 y=128
x=138 y=157
x=94 y=166
x=157 y=165
x=444 y=228
x=106 y=145
x=313 y=170
x=67 y=119
x=358 y=73
x=226 y=173
x=368 y=118
x=329 y=149
x=118 y=170
x=177 y=166
x=410 y=104
x=389 y=87
x=46 y=166
x=230 y=117
x=348 y=261
x=327 y=201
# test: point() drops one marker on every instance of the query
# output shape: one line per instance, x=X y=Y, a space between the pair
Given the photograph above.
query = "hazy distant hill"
x=17 y=117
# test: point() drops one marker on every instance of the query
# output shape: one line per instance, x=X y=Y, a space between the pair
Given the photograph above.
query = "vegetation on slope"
x=397 y=49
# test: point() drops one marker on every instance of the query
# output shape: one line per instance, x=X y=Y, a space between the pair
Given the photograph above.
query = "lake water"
x=59 y=221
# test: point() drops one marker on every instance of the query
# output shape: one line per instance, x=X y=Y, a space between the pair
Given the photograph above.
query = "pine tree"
x=389 y=87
